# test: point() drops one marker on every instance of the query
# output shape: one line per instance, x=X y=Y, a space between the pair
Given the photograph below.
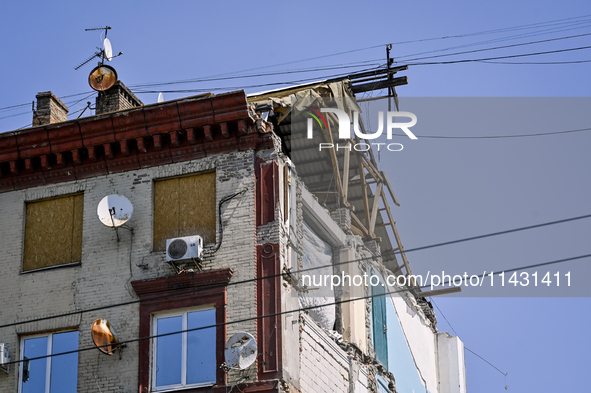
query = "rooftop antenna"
x=102 y=77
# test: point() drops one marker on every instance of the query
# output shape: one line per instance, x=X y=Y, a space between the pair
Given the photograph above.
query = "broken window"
x=53 y=232
x=185 y=359
x=184 y=206
x=53 y=374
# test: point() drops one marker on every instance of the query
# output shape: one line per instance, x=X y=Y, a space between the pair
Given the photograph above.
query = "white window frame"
x=169 y=314
x=47 y=352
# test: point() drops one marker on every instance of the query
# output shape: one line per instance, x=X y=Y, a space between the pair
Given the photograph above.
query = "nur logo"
x=345 y=127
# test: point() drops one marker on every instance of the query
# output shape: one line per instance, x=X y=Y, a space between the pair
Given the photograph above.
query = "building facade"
x=214 y=166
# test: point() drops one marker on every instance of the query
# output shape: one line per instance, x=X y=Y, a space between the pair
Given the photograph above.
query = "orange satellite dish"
x=102 y=78
x=104 y=337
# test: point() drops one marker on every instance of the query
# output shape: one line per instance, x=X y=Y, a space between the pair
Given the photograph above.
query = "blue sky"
x=449 y=189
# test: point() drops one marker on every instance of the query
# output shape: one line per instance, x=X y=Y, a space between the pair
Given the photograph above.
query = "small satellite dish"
x=108 y=49
x=160 y=97
x=114 y=210
x=102 y=77
x=241 y=351
x=104 y=337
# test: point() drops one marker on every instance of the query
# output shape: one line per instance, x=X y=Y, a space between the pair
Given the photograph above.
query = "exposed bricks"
x=50 y=109
x=117 y=98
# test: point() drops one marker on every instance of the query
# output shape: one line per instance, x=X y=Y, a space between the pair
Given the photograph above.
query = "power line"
x=500 y=47
x=499 y=136
x=298 y=271
x=557 y=22
x=264 y=316
x=539 y=62
x=286 y=72
x=29 y=103
x=503 y=57
x=502 y=39
x=466 y=348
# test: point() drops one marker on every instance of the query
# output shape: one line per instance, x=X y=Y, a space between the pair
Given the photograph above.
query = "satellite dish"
x=160 y=97
x=241 y=351
x=102 y=77
x=104 y=337
x=114 y=210
x=108 y=49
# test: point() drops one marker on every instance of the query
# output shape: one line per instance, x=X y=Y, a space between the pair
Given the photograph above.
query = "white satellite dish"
x=160 y=97
x=114 y=210
x=108 y=49
x=241 y=351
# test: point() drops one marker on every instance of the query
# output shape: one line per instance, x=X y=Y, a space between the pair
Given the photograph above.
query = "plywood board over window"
x=184 y=206
x=53 y=232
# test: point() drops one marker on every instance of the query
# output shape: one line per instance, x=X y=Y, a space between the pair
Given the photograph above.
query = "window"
x=169 y=303
x=56 y=374
x=186 y=359
x=184 y=206
x=53 y=232
x=379 y=321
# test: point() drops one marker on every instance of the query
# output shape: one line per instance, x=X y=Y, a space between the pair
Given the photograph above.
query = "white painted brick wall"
x=324 y=366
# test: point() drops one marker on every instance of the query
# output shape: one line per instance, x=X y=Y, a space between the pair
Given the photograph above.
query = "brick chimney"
x=117 y=98
x=50 y=109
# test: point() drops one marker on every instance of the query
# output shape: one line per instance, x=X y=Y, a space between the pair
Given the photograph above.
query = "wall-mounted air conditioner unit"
x=188 y=247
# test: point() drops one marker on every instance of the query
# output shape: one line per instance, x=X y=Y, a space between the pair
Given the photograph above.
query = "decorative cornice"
x=141 y=137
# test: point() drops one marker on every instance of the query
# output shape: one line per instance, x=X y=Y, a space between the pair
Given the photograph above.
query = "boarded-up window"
x=53 y=232
x=184 y=206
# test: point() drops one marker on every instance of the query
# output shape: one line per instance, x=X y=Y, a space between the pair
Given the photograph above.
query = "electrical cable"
x=466 y=348
x=499 y=47
x=539 y=62
x=301 y=309
x=253 y=75
x=563 y=21
x=318 y=79
x=503 y=57
x=298 y=271
x=500 y=39
x=493 y=31
x=224 y=200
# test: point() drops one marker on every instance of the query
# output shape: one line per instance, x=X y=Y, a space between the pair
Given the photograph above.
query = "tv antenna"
x=102 y=77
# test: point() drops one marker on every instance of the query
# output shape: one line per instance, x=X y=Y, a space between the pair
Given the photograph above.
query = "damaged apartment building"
x=220 y=215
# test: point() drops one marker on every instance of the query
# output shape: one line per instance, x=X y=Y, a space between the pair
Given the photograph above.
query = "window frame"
x=48 y=351
x=184 y=358
x=172 y=294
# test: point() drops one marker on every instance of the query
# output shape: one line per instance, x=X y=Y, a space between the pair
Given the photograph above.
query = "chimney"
x=50 y=109
x=117 y=98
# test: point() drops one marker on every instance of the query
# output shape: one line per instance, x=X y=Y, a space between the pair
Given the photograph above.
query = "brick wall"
x=117 y=98
x=50 y=109
x=324 y=366
x=109 y=266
